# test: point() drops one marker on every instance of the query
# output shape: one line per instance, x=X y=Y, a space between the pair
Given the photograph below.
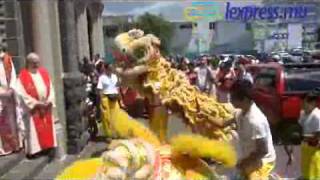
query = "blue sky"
x=171 y=10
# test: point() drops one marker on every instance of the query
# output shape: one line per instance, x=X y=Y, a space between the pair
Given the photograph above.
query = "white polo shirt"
x=310 y=122
x=252 y=126
x=108 y=84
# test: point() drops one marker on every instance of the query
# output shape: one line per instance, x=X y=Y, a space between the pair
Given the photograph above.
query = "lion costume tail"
x=126 y=127
x=202 y=147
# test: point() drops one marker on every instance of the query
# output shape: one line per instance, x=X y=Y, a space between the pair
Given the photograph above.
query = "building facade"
x=285 y=34
x=112 y=26
x=62 y=32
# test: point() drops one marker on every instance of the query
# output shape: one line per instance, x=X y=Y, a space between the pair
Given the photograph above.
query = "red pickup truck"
x=279 y=90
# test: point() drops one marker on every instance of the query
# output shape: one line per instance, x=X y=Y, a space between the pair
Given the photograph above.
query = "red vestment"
x=42 y=117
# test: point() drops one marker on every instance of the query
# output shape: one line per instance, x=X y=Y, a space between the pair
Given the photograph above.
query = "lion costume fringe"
x=141 y=156
x=139 y=153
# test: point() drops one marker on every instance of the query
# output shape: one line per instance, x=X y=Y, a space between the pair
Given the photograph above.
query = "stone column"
x=96 y=35
x=74 y=83
x=58 y=82
x=45 y=31
x=68 y=35
x=41 y=33
x=82 y=29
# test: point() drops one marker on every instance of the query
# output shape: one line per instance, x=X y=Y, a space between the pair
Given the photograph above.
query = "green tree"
x=157 y=25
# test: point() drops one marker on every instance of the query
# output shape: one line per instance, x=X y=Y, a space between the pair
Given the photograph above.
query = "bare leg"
x=158 y=118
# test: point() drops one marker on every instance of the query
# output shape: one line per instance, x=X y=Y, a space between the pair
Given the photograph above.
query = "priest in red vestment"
x=35 y=87
x=11 y=123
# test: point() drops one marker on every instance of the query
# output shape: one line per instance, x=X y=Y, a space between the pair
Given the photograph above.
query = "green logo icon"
x=202 y=11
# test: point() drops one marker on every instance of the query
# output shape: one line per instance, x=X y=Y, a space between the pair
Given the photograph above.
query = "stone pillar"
x=45 y=31
x=41 y=33
x=82 y=29
x=68 y=35
x=75 y=94
x=96 y=35
x=58 y=82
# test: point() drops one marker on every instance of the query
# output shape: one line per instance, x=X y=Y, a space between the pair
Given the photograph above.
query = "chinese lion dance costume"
x=141 y=153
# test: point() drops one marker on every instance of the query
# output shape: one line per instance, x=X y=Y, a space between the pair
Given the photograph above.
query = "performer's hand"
x=5 y=92
x=249 y=165
x=10 y=92
x=48 y=104
x=40 y=105
x=112 y=68
x=243 y=164
x=240 y=165
x=118 y=70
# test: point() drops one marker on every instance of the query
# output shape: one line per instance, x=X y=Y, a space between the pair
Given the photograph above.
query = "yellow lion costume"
x=139 y=153
x=153 y=76
x=141 y=156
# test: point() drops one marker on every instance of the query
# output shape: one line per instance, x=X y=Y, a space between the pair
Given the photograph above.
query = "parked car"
x=315 y=46
x=296 y=55
x=299 y=55
x=315 y=56
x=281 y=57
x=279 y=90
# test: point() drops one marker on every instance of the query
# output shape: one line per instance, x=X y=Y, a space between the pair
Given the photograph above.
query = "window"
x=111 y=31
x=302 y=79
x=186 y=26
x=266 y=78
x=212 y=25
x=248 y=27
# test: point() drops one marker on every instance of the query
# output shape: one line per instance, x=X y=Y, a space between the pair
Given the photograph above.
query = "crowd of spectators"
x=213 y=74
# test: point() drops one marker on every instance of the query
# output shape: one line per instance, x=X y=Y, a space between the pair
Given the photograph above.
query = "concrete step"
x=51 y=170
x=92 y=149
x=9 y=161
x=26 y=169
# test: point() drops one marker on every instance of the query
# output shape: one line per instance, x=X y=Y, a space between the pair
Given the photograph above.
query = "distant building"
x=232 y=37
x=270 y=37
x=282 y=34
x=211 y=37
x=112 y=26
x=182 y=36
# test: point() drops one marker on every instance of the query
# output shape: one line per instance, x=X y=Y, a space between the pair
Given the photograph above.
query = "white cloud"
x=171 y=10
x=155 y=8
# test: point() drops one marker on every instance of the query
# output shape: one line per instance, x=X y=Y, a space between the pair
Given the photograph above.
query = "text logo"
x=279 y=36
x=252 y=12
x=202 y=11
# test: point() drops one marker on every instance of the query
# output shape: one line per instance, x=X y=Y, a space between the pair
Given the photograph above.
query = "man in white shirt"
x=204 y=77
x=108 y=88
x=108 y=84
x=310 y=122
x=257 y=154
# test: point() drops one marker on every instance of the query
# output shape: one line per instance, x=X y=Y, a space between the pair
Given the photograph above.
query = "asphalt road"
x=291 y=171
